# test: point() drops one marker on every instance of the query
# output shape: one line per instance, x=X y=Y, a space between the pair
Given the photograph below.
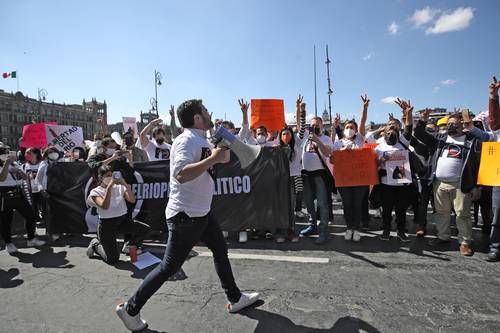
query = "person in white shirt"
x=110 y=200
x=12 y=198
x=318 y=181
x=33 y=157
x=353 y=196
x=188 y=215
x=157 y=148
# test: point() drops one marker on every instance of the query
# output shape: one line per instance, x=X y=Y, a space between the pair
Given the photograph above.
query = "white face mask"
x=4 y=157
x=261 y=139
x=54 y=156
x=349 y=133
x=110 y=151
x=106 y=180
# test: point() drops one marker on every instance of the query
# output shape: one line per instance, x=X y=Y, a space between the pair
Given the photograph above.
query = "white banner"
x=130 y=123
x=64 y=137
x=398 y=167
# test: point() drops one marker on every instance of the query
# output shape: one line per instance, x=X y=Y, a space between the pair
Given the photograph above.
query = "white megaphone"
x=245 y=153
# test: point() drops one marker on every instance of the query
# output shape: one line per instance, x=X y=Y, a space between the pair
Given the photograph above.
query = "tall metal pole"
x=315 y=92
x=330 y=92
x=157 y=83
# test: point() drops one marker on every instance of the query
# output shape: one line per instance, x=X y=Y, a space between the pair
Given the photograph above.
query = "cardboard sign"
x=489 y=169
x=269 y=113
x=63 y=137
x=355 y=167
x=398 y=167
x=34 y=135
x=370 y=145
x=130 y=123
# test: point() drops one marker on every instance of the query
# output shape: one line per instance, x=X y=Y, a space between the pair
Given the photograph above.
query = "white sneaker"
x=55 y=237
x=245 y=300
x=348 y=235
x=90 y=249
x=126 y=250
x=10 y=248
x=243 y=237
x=132 y=323
x=35 y=242
x=356 y=236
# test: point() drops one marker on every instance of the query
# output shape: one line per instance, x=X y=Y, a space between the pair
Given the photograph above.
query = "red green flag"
x=9 y=74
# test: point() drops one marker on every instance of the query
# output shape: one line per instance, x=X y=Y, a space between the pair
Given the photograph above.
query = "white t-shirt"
x=117 y=203
x=156 y=151
x=194 y=197
x=450 y=163
x=296 y=162
x=383 y=148
x=310 y=159
x=357 y=142
x=32 y=170
x=10 y=181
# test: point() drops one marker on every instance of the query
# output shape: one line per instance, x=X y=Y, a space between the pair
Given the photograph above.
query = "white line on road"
x=305 y=260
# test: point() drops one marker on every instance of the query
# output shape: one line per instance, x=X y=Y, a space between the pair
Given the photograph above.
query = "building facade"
x=17 y=110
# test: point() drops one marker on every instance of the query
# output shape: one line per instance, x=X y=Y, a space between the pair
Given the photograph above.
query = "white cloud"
x=457 y=20
x=423 y=16
x=436 y=89
x=448 y=82
x=368 y=56
x=388 y=99
x=393 y=28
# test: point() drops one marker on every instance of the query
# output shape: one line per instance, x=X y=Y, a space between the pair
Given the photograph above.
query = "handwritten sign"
x=63 y=137
x=355 y=167
x=34 y=135
x=130 y=124
x=269 y=113
x=489 y=168
x=398 y=167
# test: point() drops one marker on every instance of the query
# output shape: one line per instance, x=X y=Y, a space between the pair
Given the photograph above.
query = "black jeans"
x=107 y=231
x=423 y=204
x=495 y=224
x=7 y=206
x=184 y=233
x=352 y=199
x=395 y=198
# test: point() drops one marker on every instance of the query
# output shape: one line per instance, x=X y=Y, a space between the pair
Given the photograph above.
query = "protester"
x=110 y=199
x=157 y=148
x=109 y=154
x=353 y=196
x=13 y=198
x=188 y=215
x=138 y=154
x=33 y=158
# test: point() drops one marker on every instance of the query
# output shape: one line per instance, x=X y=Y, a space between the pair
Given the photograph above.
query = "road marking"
x=305 y=260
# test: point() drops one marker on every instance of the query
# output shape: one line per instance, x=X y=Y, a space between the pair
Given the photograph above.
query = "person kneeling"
x=110 y=199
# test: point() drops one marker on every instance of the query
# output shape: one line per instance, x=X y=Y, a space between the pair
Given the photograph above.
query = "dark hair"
x=396 y=120
x=262 y=128
x=291 y=143
x=48 y=150
x=457 y=116
x=352 y=122
x=157 y=130
x=317 y=118
x=106 y=141
x=35 y=151
x=228 y=124
x=82 y=152
x=392 y=128
x=187 y=110
x=104 y=170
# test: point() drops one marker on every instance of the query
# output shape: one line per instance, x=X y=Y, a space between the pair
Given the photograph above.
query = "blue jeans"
x=495 y=224
x=184 y=233
x=315 y=189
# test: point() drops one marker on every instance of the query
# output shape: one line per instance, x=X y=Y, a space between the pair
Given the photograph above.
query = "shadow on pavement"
x=8 y=280
x=46 y=258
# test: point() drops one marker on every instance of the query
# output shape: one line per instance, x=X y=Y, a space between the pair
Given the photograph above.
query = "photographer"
x=109 y=154
x=109 y=198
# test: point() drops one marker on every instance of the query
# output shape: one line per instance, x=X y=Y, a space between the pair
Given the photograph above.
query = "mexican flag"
x=9 y=74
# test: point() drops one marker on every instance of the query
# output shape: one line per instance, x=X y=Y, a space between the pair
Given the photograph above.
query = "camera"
x=314 y=130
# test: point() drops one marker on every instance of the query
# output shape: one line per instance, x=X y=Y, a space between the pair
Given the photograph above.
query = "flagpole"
x=315 y=93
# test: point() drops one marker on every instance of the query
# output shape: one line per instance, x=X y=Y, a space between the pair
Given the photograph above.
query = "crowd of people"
x=444 y=156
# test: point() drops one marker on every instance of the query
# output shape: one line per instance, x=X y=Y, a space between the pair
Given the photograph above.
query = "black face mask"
x=391 y=139
x=160 y=140
x=430 y=130
x=452 y=129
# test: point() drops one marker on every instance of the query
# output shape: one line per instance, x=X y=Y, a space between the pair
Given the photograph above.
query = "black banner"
x=255 y=197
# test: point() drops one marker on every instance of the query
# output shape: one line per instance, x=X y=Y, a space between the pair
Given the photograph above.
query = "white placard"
x=130 y=123
x=64 y=137
x=398 y=167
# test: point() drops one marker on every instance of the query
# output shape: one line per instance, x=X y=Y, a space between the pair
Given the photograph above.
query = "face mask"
x=110 y=151
x=349 y=133
x=106 y=180
x=261 y=139
x=4 y=157
x=430 y=130
x=160 y=141
x=129 y=141
x=54 y=156
x=452 y=129
x=391 y=139
x=286 y=138
x=27 y=157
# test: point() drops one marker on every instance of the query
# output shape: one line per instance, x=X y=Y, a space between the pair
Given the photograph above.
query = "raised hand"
x=424 y=115
x=172 y=111
x=243 y=105
x=494 y=86
x=337 y=120
x=299 y=101
x=457 y=110
x=391 y=116
x=366 y=101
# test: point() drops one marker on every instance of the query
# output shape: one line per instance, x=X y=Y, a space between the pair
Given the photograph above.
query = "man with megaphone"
x=188 y=214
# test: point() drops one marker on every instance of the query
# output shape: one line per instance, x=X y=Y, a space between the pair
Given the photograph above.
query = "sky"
x=436 y=53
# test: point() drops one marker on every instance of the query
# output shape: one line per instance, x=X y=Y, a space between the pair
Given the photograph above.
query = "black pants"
x=107 y=231
x=423 y=204
x=352 y=199
x=395 y=198
x=184 y=233
x=7 y=206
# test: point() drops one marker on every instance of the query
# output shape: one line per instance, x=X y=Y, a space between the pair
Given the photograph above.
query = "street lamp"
x=157 y=83
x=42 y=93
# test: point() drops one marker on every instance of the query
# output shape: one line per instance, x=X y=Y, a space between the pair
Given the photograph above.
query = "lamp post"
x=42 y=94
x=330 y=91
x=157 y=84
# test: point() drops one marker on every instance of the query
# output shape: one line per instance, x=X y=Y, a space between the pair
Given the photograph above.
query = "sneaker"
x=132 y=323
x=438 y=241
x=10 y=248
x=126 y=249
x=244 y=301
x=309 y=231
x=243 y=237
x=323 y=238
x=386 y=235
x=466 y=250
x=402 y=237
x=280 y=239
x=348 y=235
x=493 y=256
x=378 y=213
x=35 y=242
x=90 y=248
x=356 y=236
x=420 y=232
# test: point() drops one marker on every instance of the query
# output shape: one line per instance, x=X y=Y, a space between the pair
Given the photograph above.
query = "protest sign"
x=34 y=135
x=355 y=167
x=130 y=123
x=269 y=113
x=489 y=168
x=398 y=167
x=64 y=137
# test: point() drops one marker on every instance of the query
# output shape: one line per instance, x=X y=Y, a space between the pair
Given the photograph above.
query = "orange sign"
x=269 y=113
x=489 y=169
x=370 y=145
x=355 y=167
